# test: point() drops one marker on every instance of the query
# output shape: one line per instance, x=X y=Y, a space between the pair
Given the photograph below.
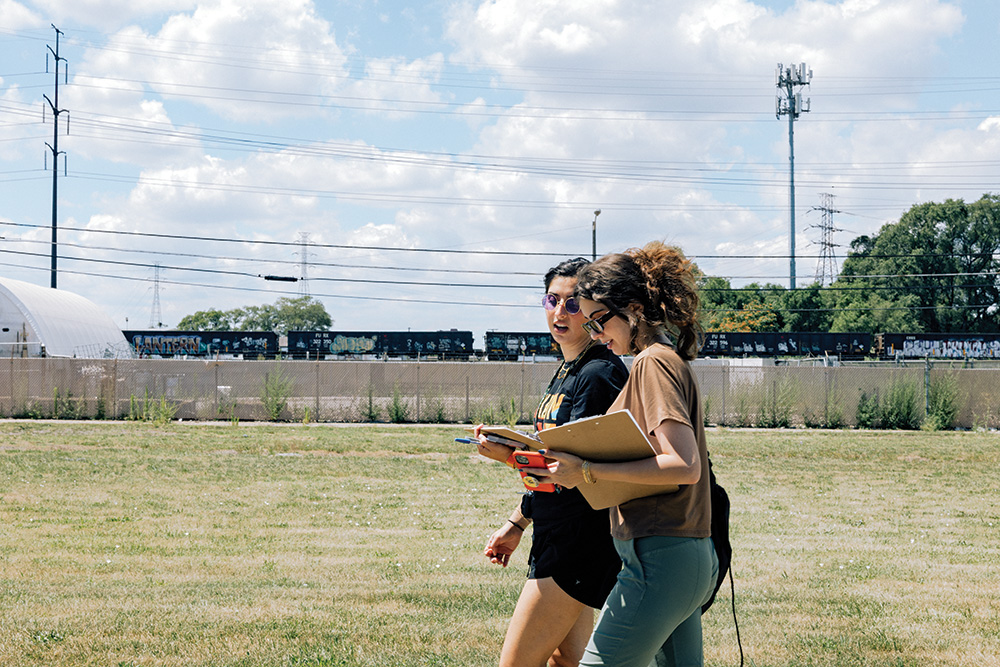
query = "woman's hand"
x=490 y=449
x=502 y=544
x=564 y=469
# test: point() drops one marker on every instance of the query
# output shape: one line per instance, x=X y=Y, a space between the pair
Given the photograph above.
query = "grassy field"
x=123 y=544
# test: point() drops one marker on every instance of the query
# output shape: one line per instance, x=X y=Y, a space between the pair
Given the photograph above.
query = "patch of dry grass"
x=253 y=545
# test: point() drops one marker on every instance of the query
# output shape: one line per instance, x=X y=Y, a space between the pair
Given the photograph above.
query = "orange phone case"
x=529 y=459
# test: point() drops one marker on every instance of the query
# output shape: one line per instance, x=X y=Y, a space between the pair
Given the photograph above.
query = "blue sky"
x=430 y=161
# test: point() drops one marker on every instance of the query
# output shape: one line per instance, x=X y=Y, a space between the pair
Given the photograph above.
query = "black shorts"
x=579 y=554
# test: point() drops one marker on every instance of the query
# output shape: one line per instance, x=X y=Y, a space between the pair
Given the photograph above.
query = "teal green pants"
x=652 y=617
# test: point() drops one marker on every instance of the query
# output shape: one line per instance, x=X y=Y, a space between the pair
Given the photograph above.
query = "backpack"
x=720 y=532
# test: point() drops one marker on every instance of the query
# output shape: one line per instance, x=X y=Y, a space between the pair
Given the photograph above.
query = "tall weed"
x=276 y=390
x=942 y=403
x=399 y=411
x=902 y=409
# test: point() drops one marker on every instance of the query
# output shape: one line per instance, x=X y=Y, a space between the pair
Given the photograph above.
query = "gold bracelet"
x=587 y=477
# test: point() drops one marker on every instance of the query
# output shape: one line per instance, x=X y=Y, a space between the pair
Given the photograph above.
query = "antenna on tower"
x=789 y=103
x=826 y=267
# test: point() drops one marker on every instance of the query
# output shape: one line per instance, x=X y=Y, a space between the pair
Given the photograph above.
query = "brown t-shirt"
x=661 y=386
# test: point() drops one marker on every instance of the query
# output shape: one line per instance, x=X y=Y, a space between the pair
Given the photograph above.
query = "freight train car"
x=789 y=344
x=508 y=345
x=169 y=344
x=451 y=344
x=938 y=346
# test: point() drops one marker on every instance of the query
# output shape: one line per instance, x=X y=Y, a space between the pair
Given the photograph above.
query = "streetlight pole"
x=594 y=249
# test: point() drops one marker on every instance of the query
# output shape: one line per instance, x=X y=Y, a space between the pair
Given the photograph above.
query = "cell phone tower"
x=789 y=103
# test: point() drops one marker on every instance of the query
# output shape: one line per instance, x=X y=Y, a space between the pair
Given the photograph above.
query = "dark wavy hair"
x=657 y=277
x=566 y=269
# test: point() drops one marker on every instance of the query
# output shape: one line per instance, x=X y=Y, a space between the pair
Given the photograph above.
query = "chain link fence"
x=735 y=393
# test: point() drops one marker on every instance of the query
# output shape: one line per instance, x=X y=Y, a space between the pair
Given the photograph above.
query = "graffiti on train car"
x=511 y=344
x=166 y=343
x=169 y=345
x=341 y=344
x=951 y=348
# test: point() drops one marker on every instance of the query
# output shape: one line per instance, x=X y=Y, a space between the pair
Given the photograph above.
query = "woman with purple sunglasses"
x=572 y=564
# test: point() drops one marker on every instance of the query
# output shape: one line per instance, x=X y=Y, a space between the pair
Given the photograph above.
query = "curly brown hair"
x=657 y=277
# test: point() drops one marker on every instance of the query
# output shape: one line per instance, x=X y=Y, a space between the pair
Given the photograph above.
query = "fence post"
x=12 y=408
x=418 y=389
x=725 y=390
x=520 y=408
x=468 y=417
x=316 y=364
x=114 y=389
x=826 y=394
x=927 y=384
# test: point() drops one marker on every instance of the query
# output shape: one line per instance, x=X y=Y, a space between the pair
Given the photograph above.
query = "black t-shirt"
x=581 y=388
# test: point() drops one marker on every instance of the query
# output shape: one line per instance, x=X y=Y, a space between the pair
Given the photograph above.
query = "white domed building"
x=44 y=322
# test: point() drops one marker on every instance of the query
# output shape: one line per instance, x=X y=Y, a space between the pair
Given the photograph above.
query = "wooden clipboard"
x=614 y=437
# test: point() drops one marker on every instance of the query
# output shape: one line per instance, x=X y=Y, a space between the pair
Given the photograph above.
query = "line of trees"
x=286 y=314
x=935 y=270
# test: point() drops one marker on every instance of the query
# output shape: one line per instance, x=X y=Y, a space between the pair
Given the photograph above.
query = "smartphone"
x=529 y=459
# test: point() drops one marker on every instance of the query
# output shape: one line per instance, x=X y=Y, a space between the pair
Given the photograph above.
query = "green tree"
x=209 y=320
x=933 y=270
x=751 y=308
x=870 y=312
x=286 y=314
x=302 y=314
x=806 y=309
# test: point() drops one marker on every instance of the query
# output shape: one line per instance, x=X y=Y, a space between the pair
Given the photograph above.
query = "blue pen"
x=468 y=441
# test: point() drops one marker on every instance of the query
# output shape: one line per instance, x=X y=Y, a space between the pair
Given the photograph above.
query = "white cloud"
x=990 y=124
x=17 y=16
x=702 y=41
x=253 y=60
x=108 y=14
x=395 y=86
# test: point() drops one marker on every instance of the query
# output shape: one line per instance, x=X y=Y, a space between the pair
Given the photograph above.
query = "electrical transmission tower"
x=826 y=267
x=155 y=318
x=304 y=264
x=789 y=103
x=54 y=146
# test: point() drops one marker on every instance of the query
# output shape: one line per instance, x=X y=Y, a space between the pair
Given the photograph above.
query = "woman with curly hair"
x=644 y=302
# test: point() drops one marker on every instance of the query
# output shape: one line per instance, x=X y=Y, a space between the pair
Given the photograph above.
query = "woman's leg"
x=662 y=582
x=548 y=628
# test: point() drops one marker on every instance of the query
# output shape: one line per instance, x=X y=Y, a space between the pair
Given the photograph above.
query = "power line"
x=258 y=260
x=440 y=302
x=413 y=283
x=338 y=246
x=467 y=303
x=247 y=274
x=514 y=253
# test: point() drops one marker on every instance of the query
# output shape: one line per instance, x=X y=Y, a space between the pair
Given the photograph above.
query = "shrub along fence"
x=936 y=395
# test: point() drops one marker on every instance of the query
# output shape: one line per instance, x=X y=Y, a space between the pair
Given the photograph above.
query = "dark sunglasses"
x=551 y=302
x=596 y=325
